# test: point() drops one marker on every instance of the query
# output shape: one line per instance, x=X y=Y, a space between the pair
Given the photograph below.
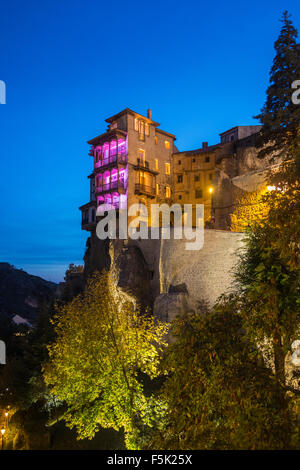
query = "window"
x=142 y=128
x=168 y=192
x=155 y=140
x=167 y=144
x=207 y=159
x=194 y=159
x=156 y=164
x=179 y=178
x=179 y=197
x=210 y=176
x=197 y=178
x=141 y=156
x=198 y=193
x=157 y=189
x=179 y=162
x=168 y=168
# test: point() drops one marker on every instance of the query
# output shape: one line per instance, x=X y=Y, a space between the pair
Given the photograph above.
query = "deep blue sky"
x=201 y=66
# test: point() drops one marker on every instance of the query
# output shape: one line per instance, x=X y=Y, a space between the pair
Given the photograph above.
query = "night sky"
x=201 y=66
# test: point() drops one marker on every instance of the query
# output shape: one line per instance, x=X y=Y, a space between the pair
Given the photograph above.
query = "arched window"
x=114 y=178
x=106 y=152
x=113 y=148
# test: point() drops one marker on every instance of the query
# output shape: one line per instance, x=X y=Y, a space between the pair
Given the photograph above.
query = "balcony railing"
x=120 y=158
x=144 y=189
x=108 y=186
x=145 y=166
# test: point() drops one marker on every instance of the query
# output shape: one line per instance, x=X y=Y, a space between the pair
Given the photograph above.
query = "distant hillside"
x=21 y=293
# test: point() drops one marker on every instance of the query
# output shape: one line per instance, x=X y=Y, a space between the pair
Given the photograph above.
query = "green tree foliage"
x=219 y=394
x=102 y=345
x=280 y=135
x=280 y=116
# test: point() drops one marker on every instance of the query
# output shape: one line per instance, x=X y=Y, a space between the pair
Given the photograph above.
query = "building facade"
x=136 y=162
x=132 y=164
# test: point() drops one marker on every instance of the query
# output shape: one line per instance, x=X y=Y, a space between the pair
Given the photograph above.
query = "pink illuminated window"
x=105 y=151
x=113 y=148
x=122 y=146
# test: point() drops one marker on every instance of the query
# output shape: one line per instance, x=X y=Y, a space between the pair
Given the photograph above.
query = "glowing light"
x=271 y=188
x=210 y=190
x=2 y=431
x=6 y=414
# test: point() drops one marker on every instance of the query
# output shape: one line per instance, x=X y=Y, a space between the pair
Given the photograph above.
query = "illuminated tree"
x=103 y=344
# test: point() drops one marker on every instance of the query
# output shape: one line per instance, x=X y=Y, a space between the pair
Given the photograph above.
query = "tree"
x=103 y=343
x=269 y=289
x=280 y=135
x=280 y=116
x=219 y=394
x=268 y=276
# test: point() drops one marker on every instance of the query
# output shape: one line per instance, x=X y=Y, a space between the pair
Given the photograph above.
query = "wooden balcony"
x=143 y=189
x=111 y=161
x=144 y=166
x=119 y=186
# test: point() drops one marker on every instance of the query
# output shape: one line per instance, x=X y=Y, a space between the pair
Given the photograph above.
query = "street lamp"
x=2 y=434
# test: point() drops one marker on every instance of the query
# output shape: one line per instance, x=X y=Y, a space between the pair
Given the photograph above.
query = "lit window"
x=136 y=124
x=168 y=192
x=157 y=189
x=141 y=127
x=167 y=144
x=155 y=140
x=156 y=164
x=168 y=168
x=147 y=129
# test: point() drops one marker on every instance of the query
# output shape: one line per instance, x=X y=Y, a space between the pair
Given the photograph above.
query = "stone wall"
x=165 y=276
x=181 y=279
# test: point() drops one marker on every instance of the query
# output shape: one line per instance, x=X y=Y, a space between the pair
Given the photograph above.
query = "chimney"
x=204 y=145
x=149 y=113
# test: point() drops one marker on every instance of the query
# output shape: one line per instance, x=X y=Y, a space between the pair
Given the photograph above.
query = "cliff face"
x=23 y=294
x=163 y=275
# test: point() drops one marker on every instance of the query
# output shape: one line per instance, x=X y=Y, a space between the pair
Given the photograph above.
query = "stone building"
x=193 y=175
x=131 y=164
x=211 y=175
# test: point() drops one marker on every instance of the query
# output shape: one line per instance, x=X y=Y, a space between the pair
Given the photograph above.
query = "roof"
x=133 y=113
x=106 y=135
x=239 y=127
x=166 y=133
x=208 y=149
